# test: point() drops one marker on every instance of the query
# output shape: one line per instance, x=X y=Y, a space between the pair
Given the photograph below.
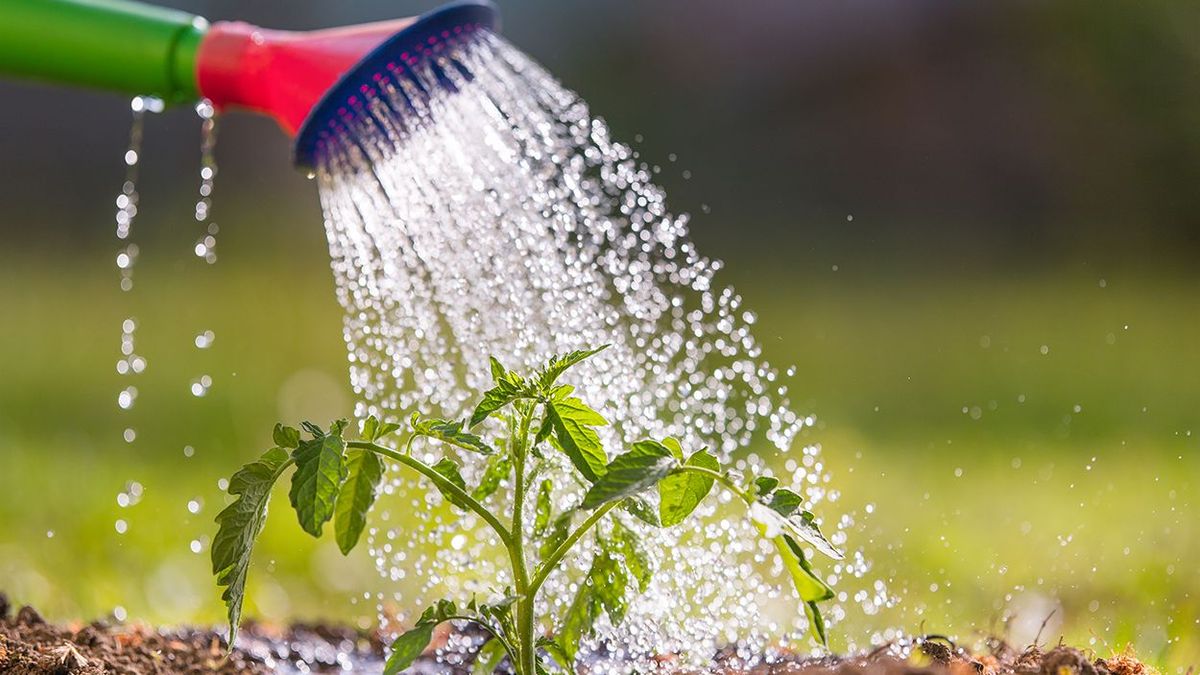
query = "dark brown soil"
x=31 y=646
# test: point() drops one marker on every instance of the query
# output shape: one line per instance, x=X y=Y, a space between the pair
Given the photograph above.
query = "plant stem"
x=525 y=605
x=442 y=483
x=559 y=553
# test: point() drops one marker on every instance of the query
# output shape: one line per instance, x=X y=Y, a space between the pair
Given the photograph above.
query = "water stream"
x=498 y=216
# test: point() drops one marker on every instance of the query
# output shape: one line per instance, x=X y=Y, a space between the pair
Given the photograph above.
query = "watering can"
x=301 y=79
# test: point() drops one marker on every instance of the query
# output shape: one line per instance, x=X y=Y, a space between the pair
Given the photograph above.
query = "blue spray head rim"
x=403 y=51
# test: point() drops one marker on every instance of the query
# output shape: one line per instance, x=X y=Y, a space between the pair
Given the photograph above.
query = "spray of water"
x=498 y=217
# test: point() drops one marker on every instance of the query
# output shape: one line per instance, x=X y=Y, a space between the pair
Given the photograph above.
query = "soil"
x=31 y=646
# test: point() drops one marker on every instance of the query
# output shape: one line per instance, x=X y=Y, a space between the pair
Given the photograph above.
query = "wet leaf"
x=364 y=474
x=560 y=529
x=498 y=467
x=573 y=424
x=637 y=562
x=645 y=464
x=763 y=485
x=320 y=470
x=372 y=429
x=408 y=648
x=800 y=525
x=449 y=470
x=680 y=493
x=489 y=658
x=449 y=431
x=785 y=502
x=238 y=525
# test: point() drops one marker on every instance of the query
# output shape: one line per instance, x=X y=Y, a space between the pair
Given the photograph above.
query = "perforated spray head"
x=313 y=82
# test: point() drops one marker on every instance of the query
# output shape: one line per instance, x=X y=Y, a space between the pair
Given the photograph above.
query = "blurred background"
x=973 y=227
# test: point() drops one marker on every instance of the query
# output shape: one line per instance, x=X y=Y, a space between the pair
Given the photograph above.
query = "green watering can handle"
x=117 y=45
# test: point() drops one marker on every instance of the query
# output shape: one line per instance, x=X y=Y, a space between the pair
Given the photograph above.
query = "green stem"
x=443 y=484
x=525 y=606
x=559 y=553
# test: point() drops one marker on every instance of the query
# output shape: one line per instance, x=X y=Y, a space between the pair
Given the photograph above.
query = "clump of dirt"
x=31 y=646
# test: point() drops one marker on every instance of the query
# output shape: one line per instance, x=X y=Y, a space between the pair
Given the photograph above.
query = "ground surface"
x=31 y=646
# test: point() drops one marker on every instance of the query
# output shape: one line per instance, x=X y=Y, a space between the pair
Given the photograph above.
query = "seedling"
x=338 y=479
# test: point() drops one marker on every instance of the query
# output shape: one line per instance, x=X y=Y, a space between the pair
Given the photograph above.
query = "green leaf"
x=765 y=484
x=801 y=525
x=408 y=648
x=680 y=493
x=808 y=585
x=636 y=560
x=364 y=474
x=498 y=467
x=602 y=590
x=489 y=657
x=509 y=388
x=499 y=374
x=816 y=623
x=610 y=582
x=673 y=444
x=448 y=469
x=555 y=650
x=238 y=525
x=541 y=517
x=573 y=423
x=644 y=507
x=373 y=430
x=785 y=502
x=560 y=529
x=449 y=431
x=630 y=473
x=286 y=437
x=557 y=365
x=320 y=470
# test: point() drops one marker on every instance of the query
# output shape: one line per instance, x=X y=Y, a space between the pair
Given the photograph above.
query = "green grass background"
x=1017 y=501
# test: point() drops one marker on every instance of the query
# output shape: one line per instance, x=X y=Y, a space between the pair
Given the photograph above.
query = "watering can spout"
x=281 y=73
x=301 y=79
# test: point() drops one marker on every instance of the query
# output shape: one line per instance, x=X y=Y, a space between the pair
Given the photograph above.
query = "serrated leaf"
x=610 y=582
x=498 y=467
x=285 y=436
x=765 y=484
x=645 y=464
x=489 y=657
x=508 y=389
x=573 y=424
x=373 y=429
x=450 y=431
x=448 y=469
x=801 y=525
x=320 y=470
x=408 y=648
x=364 y=473
x=557 y=365
x=680 y=493
x=636 y=561
x=238 y=525
x=541 y=518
